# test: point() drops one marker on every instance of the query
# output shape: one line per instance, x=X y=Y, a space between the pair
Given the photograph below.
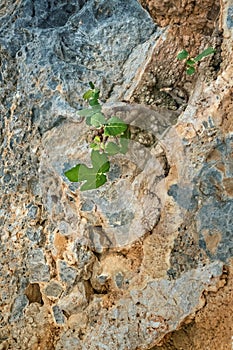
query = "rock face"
x=122 y=266
x=106 y=219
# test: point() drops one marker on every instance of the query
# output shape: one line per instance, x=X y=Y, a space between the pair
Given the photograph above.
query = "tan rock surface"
x=145 y=261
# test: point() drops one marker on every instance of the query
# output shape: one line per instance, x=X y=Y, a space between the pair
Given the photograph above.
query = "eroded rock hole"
x=33 y=293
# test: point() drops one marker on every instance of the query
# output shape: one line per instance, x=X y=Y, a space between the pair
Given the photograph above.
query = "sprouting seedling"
x=191 y=62
x=110 y=137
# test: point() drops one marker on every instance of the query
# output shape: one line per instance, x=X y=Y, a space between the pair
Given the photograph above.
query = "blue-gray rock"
x=53 y=289
x=230 y=18
x=38 y=269
x=64 y=46
x=18 y=307
x=34 y=234
x=58 y=315
x=67 y=273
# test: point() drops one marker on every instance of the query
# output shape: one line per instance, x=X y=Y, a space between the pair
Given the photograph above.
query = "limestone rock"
x=105 y=218
x=122 y=266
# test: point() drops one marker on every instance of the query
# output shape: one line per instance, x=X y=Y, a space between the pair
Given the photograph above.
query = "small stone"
x=53 y=289
x=67 y=274
x=38 y=269
x=32 y=211
x=17 y=309
x=119 y=279
x=35 y=235
x=102 y=279
x=58 y=315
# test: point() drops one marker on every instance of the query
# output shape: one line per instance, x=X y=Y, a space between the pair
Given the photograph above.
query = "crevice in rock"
x=33 y=293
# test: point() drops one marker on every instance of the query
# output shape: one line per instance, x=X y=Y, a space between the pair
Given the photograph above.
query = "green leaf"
x=115 y=127
x=112 y=148
x=124 y=145
x=98 y=119
x=94 y=177
x=104 y=168
x=92 y=95
x=124 y=141
x=94 y=182
x=98 y=159
x=92 y=86
x=190 y=70
x=182 y=55
x=206 y=52
x=73 y=173
x=95 y=146
x=190 y=62
x=97 y=139
x=88 y=94
x=88 y=121
x=89 y=112
x=86 y=112
x=94 y=101
x=96 y=108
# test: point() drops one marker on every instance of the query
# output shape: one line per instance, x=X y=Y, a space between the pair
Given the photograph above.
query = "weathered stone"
x=139 y=173
x=67 y=274
x=18 y=307
x=34 y=234
x=58 y=315
x=147 y=314
x=123 y=266
x=75 y=302
x=38 y=269
x=53 y=289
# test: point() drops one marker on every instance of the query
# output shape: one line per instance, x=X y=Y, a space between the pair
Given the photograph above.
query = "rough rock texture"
x=212 y=327
x=124 y=266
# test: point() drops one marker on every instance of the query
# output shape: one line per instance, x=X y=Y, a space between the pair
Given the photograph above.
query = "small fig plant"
x=109 y=137
x=191 y=62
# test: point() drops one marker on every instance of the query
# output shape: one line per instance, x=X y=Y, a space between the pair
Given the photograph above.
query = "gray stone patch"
x=214 y=219
x=75 y=301
x=53 y=289
x=184 y=195
x=119 y=280
x=120 y=218
x=34 y=234
x=83 y=255
x=210 y=181
x=38 y=269
x=230 y=18
x=58 y=315
x=186 y=253
x=32 y=211
x=67 y=274
x=18 y=307
x=65 y=45
x=217 y=218
x=87 y=205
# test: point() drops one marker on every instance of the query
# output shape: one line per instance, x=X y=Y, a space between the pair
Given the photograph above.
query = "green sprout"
x=110 y=137
x=191 y=62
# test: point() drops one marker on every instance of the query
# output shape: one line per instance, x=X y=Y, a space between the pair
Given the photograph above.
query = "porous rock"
x=122 y=266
